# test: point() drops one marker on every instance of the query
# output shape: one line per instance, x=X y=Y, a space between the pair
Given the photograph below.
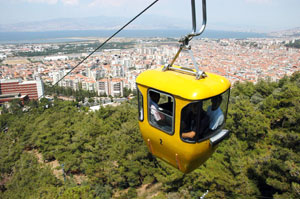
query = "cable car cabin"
x=181 y=118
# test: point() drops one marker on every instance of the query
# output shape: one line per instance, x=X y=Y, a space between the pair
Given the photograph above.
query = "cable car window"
x=161 y=109
x=140 y=105
x=201 y=119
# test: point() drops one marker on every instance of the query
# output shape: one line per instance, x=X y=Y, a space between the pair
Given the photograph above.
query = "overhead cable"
x=100 y=46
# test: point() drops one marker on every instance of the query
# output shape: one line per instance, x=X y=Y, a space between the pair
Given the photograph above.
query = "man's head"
x=216 y=102
x=154 y=96
x=196 y=106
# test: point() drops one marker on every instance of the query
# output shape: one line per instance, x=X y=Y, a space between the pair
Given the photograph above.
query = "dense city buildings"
x=109 y=71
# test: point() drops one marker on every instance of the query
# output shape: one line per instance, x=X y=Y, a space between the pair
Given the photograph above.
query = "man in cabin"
x=194 y=121
x=156 y=115
x=216 y=116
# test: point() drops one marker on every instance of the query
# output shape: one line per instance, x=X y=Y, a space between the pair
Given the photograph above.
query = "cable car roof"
x=184 y=85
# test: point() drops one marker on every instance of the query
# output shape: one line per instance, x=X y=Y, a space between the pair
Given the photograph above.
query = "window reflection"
x=140 y=105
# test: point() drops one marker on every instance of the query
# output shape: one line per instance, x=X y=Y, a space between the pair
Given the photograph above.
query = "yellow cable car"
x=181 y=117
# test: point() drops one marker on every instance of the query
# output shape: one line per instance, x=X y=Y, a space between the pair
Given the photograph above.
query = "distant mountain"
x=103 y=26
x=96 y=23
x=295 y=32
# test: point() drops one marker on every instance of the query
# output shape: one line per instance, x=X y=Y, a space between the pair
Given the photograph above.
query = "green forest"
x=294 y=44
x=60 y=150
x=75 y=48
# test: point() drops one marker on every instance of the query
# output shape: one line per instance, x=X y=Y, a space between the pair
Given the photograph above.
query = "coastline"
x=87 y=35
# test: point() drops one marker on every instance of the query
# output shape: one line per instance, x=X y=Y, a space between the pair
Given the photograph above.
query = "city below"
x=110 y=70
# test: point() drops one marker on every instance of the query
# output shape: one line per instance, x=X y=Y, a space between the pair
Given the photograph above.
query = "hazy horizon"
x=231 y=15
x=83 y=35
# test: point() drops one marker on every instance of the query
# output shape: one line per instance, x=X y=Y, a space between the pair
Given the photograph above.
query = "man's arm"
x=190 y=134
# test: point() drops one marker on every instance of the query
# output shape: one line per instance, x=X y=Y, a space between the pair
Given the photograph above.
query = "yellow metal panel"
x=170 y=148
x=184 y=85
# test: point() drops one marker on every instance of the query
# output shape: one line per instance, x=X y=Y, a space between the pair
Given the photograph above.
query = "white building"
x=56 y=58
x=57 y=75
x=2 y=56
x=113 y=87
x=116 y=87
x=102 y=87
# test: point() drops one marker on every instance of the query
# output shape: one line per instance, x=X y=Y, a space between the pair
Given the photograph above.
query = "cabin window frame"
x=173 y=111
x=140 y=104
x=213 y=132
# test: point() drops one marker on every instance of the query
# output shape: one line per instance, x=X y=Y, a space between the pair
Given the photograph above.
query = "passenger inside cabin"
x=194 y=121
x=155 y=115
x=216 y=116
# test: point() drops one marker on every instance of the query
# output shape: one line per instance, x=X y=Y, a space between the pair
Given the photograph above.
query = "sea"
x=82 y=35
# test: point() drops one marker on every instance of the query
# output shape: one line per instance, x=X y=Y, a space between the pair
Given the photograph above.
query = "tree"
x=259 y=159
x=29 y=179
x=15 y=106
x=126 y=92
x=91 y=100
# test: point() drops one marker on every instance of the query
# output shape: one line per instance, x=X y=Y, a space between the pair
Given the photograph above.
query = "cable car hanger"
x=181 y=119
x=186 y=46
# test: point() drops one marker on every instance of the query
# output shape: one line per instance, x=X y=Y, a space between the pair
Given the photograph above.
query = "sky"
x=242 y=15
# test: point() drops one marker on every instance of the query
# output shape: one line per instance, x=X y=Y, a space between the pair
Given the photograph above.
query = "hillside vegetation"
x=294 y=44
x=103 y=154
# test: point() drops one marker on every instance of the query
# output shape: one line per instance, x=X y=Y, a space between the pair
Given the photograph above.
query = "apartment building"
x=11 y=89
x=113 y=87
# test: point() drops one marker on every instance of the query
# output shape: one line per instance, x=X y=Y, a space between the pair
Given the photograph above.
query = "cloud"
x=259 y=1
x=114 y=3
x=70 y=2
x=42 y=1
x=65 y=2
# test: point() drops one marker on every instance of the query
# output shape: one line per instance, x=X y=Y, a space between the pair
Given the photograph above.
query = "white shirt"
x=155 y=113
